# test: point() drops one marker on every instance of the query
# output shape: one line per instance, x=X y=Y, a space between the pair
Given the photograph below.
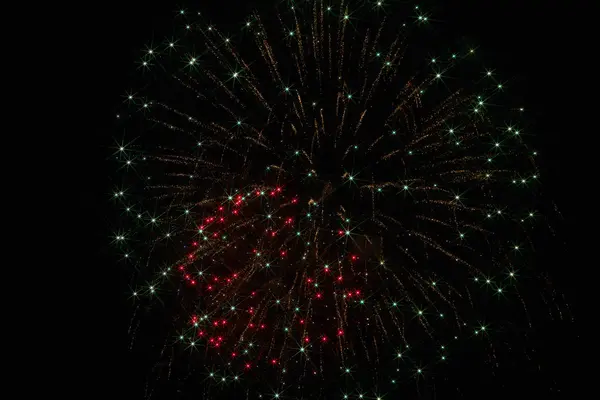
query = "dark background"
x=530 y=41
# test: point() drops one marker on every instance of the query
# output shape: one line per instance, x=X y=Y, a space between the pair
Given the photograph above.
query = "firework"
x=318 y=202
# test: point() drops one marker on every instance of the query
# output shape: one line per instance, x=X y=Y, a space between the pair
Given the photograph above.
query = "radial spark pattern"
x=323 y=199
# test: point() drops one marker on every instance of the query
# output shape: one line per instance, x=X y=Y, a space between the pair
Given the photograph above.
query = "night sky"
x=524 y=40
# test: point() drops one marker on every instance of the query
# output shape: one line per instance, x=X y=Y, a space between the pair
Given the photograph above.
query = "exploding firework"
x=318 y=202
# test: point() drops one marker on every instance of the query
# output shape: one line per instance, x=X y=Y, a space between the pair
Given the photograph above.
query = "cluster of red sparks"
x=216 y=331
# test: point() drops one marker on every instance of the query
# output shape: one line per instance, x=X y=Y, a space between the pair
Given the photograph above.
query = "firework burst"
x=320 y=201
